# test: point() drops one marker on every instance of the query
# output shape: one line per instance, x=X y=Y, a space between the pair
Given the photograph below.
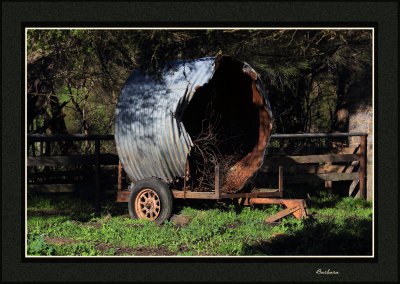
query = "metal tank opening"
x=229 y=125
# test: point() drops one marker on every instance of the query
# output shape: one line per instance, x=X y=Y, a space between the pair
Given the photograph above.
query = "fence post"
x=280 y=181
x=97 y=206
x=217 y=182
x=119 y=176
x=363 y=166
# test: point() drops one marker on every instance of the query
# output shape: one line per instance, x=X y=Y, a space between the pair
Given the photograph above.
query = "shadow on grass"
x=352 y=237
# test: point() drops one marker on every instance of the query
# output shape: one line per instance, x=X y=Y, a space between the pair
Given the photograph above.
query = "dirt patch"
x=60 y=241
x=135 y=226
x=124 y=250
x=103 y=247
x=232 y=225
x=152 y=251
x=93 y=224
x=181 y=220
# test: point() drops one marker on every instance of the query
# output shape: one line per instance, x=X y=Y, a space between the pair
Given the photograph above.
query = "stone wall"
x=362 y=121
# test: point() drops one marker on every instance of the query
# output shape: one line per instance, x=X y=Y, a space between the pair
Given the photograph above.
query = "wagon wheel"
x=151 y=199
x=147 y=204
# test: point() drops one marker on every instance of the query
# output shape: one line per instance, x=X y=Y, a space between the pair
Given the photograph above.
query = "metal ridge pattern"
x=151 y=139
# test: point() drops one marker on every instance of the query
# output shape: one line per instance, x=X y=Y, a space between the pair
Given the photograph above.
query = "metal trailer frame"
x=297 y=207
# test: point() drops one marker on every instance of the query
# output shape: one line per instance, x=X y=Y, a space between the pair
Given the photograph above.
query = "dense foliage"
x=314 y=78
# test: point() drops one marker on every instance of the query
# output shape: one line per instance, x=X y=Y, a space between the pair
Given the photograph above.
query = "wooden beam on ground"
x=281 y=214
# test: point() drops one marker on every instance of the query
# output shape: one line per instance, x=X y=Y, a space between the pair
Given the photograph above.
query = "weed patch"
x=337 y=226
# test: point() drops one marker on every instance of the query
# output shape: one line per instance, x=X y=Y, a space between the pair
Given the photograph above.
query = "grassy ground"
x=66 y=226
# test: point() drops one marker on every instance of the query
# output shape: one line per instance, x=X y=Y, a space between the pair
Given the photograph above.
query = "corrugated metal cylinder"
x=150 y=137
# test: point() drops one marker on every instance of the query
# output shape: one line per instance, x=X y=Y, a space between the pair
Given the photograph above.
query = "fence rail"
x=97 y=160
x=297 y=168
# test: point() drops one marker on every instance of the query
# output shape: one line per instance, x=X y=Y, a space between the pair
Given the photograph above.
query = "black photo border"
x=16 y=15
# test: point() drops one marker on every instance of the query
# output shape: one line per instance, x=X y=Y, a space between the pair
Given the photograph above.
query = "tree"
x=314 y=77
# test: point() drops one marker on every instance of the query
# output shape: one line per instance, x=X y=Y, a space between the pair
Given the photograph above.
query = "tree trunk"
x=340 y=121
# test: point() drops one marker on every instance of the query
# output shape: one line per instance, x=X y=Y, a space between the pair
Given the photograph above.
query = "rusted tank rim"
x=243 y=170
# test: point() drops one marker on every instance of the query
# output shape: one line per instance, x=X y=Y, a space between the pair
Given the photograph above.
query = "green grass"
x=67 y=226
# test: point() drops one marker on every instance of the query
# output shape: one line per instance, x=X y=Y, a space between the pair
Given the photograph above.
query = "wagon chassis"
x=297 y=207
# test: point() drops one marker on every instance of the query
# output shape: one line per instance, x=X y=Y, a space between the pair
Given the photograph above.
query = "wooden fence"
x=338 y=163
x=96 y=160
x=326 y=167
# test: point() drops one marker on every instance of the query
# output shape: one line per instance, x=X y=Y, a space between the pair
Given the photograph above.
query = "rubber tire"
x=163 y=192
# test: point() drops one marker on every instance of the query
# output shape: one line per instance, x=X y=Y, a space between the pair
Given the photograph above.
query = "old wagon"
x=197 y=129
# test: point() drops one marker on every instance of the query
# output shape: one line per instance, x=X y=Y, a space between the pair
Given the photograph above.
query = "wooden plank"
x=73 y=172
x=362 y=171
x=60 y=160
x=61 y=187
x=69 y=137
x=309 y=178
x=310 y=159
x=302 y=168
x=54 y=137
x=352 y=187
x=59 y=174
x=302 y=151
x=280 y=180
x=119 y=176
x=212 y=195
x=350 y=169
x=97 y=207
x=217 y=183
x=264 y=194
x=296 y=151
x=49 y=188
x=123 y=196
x=316 y=135
x=281 y=214
x=194 y=195
x=105 y=159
